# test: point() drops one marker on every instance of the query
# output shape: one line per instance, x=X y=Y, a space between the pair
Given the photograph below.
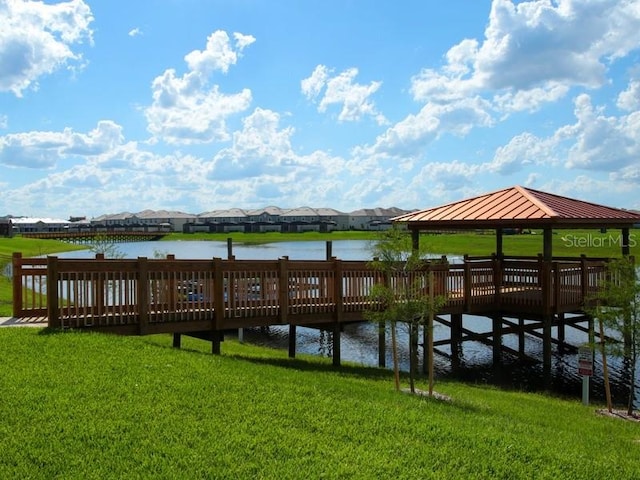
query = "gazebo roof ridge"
x=527 y=193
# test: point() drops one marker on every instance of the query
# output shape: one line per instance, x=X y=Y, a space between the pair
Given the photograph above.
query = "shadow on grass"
x=346 y=369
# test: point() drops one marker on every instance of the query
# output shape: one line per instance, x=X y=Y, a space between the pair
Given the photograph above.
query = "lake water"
x=359 y=342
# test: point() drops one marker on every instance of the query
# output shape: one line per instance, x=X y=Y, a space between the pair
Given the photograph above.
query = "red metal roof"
x=519 y=207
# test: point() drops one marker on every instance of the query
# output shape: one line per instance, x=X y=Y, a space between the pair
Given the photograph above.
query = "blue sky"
x=198 y=105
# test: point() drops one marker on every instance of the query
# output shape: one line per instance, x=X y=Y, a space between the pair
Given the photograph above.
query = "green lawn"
x=87 y=405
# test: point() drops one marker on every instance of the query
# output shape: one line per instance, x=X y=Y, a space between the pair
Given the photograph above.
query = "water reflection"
x=359 y=342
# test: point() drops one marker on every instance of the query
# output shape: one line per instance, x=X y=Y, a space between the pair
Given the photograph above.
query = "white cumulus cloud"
x=533 y=51
x=40 y=149
x=37 y=39
x=342 y=90
x=186 y=109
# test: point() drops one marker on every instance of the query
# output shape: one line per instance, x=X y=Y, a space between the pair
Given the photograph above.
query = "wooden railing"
x=152 y=295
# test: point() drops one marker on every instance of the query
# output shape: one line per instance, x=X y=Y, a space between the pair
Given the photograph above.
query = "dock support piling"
x=336 y=345
x=292 y=341
x=216 y=338
x=496 y=321
x=456 y=340
x=561 y=329
x=546 y=348
x=521 y=336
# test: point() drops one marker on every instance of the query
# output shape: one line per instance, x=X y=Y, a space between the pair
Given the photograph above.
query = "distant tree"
x=617 y=306
x=104 y=245
x=402 y=295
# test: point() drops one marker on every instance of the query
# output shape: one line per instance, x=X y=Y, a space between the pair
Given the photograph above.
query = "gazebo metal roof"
x=519 y=207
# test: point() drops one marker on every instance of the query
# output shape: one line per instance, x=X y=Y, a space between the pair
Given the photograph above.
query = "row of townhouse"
x=231 y=220
x=266 y=219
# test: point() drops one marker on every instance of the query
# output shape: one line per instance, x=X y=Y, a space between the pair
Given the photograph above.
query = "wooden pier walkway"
x=205 y=298
x=90 y=235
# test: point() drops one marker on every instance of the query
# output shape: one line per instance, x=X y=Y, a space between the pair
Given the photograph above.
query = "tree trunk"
x=605 y=369
x=394 y=353
x=632 y=381
x=413 y=355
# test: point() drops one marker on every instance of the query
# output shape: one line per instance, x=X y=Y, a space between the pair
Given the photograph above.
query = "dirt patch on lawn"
x=621 y=414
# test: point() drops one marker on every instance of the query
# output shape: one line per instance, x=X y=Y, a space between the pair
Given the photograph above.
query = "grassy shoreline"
x=567 y=243
x=101 y=406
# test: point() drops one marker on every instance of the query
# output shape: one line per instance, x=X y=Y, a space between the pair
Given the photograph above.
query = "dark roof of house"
x=518 y=207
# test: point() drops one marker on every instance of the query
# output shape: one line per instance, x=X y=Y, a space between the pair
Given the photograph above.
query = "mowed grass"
x=88 y=405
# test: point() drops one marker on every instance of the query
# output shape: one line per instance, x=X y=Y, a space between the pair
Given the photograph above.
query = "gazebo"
x=521 y=208
x=536 y=291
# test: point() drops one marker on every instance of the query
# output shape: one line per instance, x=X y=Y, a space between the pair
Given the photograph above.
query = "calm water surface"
x=359 y=342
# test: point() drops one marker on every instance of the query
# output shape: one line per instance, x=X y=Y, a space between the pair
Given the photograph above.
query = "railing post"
x=53 y=313
x=283 y=289
x=143 y=295
x=467 y=284
x=584 y=278
x=338 y=315
x=544 y=268
x=16 y=269
x=230 y=255
x=218 y=296
x=337 y=290
x=556 y=286
x=172 y=298
x=99 y=308
x=497 y=278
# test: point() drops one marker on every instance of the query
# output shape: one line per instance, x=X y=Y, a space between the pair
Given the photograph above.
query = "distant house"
x=223 y=221
x=373 y=218
x=267 y=219
x=39 y=225
x=6 y=228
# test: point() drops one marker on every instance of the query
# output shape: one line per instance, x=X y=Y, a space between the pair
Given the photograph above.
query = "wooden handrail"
x=148 y=293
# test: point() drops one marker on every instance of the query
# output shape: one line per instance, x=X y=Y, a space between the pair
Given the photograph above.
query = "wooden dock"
x=205 y=298
x=84 y=236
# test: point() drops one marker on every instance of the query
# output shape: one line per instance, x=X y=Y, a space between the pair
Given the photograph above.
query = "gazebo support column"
x=626 y=248
x=546 y=348
x=415 y=239
x=499 y=249
x=547 y=244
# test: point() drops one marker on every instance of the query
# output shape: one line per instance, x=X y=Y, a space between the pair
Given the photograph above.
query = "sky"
x=201 y=105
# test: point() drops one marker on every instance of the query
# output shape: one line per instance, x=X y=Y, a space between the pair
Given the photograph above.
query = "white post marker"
x=585 y=368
